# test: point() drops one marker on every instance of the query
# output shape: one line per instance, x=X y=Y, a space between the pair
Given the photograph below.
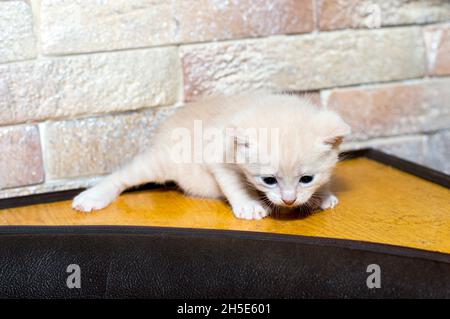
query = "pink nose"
x=289 y=201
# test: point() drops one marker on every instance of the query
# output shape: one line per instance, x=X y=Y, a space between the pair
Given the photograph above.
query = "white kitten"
x=259 y=151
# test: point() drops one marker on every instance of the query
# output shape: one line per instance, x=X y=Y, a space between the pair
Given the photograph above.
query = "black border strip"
x=59 y=196
x=378 y=156
x=410 y=167
x=358 y=245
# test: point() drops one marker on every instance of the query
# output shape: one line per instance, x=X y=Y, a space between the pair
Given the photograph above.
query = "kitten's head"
x=299 y=155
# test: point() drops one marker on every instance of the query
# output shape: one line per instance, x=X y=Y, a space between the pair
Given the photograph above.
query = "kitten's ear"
x=333 y=129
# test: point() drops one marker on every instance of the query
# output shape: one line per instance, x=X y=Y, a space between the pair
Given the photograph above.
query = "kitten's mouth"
x=293 y=205
x=278 y=204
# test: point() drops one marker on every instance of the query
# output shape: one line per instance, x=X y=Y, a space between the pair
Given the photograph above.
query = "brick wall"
x=80 y=78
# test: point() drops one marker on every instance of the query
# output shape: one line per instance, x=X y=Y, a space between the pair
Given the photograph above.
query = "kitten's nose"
x=289 y=201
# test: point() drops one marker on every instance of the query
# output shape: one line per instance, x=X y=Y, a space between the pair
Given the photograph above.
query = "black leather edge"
x=202 y=232
x=152 y=262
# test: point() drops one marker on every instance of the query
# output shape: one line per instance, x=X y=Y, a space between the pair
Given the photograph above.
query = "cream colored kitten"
x=258 y=151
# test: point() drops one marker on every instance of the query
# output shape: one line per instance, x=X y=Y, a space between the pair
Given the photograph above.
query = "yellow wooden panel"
x=377 y=204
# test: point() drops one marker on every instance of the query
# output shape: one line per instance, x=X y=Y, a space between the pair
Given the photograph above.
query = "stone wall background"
x=79 y=78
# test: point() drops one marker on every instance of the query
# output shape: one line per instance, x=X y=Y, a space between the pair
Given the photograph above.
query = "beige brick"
x=17 y=41
x=438 y=152
x=89 y=26
x=90 y=84
x=97 y=145
x=304 y=62
x=409 y=147
x=393 y=108
x=224 y=19
x=437 y=39
x=86 y=25
x=338 y=14
x=412 y=149
x=20 y=156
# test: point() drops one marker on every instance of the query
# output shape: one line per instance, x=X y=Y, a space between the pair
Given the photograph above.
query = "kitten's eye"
x=306 y=179
x=269 y=180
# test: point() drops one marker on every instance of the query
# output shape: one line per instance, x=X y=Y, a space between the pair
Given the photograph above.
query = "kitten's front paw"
x=329 y=201
x=250 y=210
x=93 y=199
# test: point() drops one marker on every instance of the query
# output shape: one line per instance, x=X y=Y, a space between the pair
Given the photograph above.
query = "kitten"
x=242 y=166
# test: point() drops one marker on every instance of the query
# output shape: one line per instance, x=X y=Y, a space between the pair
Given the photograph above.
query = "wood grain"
x=377 y=204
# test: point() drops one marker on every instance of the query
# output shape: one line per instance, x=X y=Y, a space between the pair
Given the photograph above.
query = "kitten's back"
x=222 y=111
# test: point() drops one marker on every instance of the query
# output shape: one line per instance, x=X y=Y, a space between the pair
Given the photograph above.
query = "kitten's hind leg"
x=147 y=167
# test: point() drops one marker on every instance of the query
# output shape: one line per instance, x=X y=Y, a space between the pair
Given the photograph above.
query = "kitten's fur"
x=308 y=142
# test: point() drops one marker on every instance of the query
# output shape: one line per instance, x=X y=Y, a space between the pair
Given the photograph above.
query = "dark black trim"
x=353 y=154
x=410 y=167
x=387 y=159
x=153 y=262
x=401 y=164
x=38 y=198
x=59 y=196
x=358 y=245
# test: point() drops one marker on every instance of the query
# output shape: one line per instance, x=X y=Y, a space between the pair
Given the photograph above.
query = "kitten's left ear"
x=333 y=129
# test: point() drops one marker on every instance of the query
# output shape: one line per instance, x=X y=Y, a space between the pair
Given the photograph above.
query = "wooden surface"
x=377 y=204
